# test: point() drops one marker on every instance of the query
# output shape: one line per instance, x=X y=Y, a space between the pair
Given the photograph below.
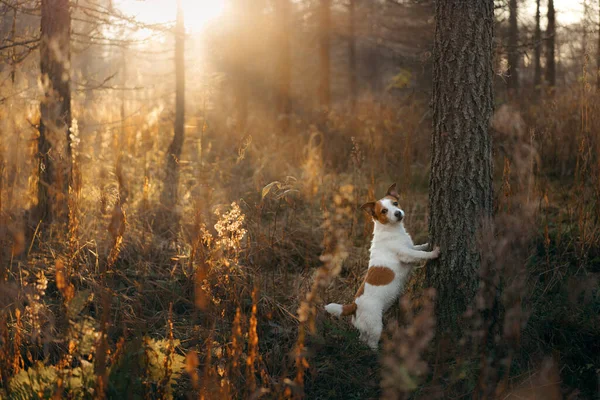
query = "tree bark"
x=283 y=94
x=242 y=10
x=325 y=62
x=513 y=50
x=169 y=194
x=551 y=46
x=55 y=111
x=584 y=27
x=13 y=35
x=537 y=49
x=373 y=53
x=124 y=147
x=598 y=53
x=352 y=54
x=460 y=190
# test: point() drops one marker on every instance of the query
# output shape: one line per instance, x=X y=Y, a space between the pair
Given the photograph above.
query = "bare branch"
x=16 y=44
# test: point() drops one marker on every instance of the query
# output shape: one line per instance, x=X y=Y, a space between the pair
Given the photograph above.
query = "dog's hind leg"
x=370 y=325
x=375 y=334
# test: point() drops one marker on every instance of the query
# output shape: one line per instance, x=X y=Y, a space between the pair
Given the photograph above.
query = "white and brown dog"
x=392 y=252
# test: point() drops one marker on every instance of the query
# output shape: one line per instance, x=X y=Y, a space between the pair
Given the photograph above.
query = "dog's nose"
x=399 y=215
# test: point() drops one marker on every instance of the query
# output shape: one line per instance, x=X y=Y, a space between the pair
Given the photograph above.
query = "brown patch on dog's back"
x=379 y=215
x=379 y=276
x=376 y=276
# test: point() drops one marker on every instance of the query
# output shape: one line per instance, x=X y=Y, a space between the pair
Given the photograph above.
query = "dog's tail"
x=340 y=310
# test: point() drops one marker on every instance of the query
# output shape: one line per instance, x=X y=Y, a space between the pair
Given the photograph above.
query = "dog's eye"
x=396 y=203
x=384 y=211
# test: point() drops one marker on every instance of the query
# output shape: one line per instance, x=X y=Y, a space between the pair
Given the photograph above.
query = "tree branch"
x=23 y=43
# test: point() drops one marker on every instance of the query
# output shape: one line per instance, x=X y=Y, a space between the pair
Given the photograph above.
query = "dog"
x=392 y=251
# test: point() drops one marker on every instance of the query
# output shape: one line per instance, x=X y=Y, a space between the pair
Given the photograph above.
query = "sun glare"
x=197 y=13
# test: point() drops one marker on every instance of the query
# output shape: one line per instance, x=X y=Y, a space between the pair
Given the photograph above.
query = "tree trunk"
x=325 y=62
x=124 y=147
x=169 y=194
x=373 y=53
x=13 y=35
x=598 y=53
x=283 y=94
x=513 y=50
x=584 y=27
x=55 y=111
x=352 y=54
x=460 y=191
x=242 y=8
x=550 y=46
x=537 y=49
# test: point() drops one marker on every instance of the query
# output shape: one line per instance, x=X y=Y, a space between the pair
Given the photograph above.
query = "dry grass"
x=221 y=296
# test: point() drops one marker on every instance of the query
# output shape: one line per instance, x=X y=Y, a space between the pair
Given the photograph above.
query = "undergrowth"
x=221 y=297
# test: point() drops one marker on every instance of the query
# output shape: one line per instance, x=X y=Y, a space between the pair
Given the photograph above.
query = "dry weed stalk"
x=506 y=188
x=253 y=353
x=312 y=167
x=235 y=349
x=73 y=234
x=164 y=385
x=35 y=308
x=102 y=349
x=583 y=170
x=208 y=377
x=498 y=315
x=200 y=266
x=230 y=232
x=118 y=223
x=5 y=351
x=402 y=363
x=74 y=194
x=65 y=287
x=191 y=368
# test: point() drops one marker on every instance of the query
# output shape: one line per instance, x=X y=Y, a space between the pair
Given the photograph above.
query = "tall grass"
x=223 y=298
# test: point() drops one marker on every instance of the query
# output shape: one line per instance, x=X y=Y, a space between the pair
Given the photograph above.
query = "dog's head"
x=386 y=210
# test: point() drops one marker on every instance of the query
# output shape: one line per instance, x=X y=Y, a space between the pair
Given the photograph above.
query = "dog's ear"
x=369 y=208
x=392 y=191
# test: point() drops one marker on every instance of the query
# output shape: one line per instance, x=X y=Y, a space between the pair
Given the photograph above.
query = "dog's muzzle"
x=399 y=215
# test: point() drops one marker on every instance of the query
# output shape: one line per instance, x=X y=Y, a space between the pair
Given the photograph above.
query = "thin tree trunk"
x=243 y=9
x=325 y=62
x=551 y=46
x=123 y=144
x=169 y=194
x=283 y=94
x=55 y=110
x=513 y=51
x=13 y=34
x=123 y=84
x=460 y=191
x=373 y=63
x=598 y=53
x=584 y=35
x=241 y=96
x=537 y=49
x=352 y=54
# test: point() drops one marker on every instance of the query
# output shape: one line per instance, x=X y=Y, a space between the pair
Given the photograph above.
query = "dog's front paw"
x=435 y=253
